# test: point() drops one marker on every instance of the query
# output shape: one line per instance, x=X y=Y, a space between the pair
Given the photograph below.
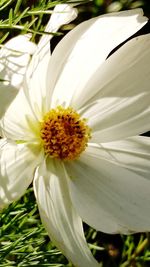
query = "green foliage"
x=23 y=16
x=24 y=241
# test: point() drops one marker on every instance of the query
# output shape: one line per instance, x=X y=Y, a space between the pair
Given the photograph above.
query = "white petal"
x=37 y=71
x=84 y=49
x=7 y=95
x=17 y=164
x=14 y=59
x=109 y=197
x=20 y=121
x=58 y=215
x=20 y=44
x=132 y=153
x=121 y=107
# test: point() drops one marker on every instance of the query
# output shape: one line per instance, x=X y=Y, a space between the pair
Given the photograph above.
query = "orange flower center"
x=64 y=134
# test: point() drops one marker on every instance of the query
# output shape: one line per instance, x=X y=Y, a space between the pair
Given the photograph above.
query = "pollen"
x=64 y=134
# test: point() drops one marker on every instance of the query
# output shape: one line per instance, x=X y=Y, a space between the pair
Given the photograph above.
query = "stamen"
x=64 y=134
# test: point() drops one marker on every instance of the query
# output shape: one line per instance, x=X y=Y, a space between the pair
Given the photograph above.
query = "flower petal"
x=37 y=71
x=58 y=215
x=14 y=59
x=17 y=164
x=121 y=108
x=7 y=94
x=132 y=153
x=20 y=121
x=109 y=197
x=83 y=50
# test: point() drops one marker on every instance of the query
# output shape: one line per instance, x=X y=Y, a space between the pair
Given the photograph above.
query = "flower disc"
x=64 y=134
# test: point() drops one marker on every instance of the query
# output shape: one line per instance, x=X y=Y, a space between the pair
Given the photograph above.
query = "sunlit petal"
x=121 y=107
x=58 y=215
x=37 y=71
x=20 y=121
x=83 y=50
x=132 y=153
x=17 y=166
x=14 y=59
x=109 y=197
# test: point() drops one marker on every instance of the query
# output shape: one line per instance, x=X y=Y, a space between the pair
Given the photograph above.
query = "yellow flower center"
x=64 y=134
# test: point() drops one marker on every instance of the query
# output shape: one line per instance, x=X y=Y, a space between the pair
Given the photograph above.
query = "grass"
x=24 y=241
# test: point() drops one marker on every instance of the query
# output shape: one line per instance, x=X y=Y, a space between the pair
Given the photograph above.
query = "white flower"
x=72 y=130
x=14 y=59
